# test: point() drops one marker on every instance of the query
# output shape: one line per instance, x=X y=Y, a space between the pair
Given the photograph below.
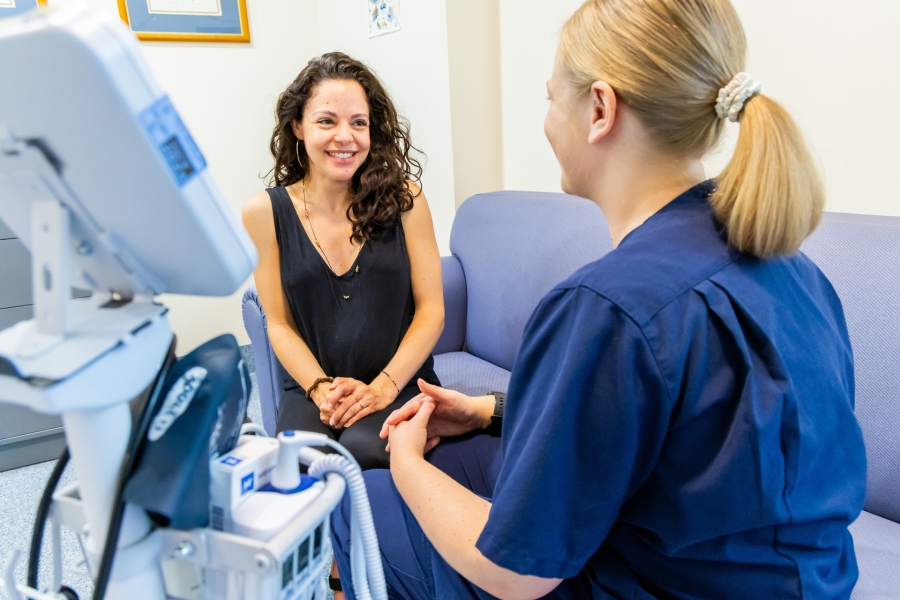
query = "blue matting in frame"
x=142 y=21
x=22 y=6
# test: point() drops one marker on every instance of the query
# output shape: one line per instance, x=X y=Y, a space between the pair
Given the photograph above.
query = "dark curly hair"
x=379 y=187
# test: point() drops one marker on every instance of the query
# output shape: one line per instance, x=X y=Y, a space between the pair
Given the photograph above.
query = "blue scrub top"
x=680 y=424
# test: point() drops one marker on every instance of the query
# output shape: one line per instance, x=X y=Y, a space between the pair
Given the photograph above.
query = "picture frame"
x=187 y=20
x=14 y=8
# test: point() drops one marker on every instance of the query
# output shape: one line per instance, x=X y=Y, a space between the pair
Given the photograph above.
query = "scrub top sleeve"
x=586 y=415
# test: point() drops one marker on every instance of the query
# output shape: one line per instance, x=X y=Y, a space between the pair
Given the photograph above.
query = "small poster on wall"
x=384 y=16
x=11 y=8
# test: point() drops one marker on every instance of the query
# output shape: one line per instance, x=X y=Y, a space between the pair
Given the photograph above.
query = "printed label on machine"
x=177 y=401
x=173 y=140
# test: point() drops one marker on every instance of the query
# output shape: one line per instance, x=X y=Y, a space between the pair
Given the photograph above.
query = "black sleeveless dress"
x=353 y=323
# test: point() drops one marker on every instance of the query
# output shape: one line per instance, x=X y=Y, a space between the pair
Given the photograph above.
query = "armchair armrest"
x=453 y=337
x=268 y=369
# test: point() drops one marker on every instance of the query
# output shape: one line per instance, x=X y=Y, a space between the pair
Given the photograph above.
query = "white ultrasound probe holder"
x=101 y=180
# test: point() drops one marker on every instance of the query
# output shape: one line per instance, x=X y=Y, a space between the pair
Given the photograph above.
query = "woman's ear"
x=298 y=130
x=603 y=111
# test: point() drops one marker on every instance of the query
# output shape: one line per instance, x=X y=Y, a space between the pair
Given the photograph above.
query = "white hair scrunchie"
x=733 y=96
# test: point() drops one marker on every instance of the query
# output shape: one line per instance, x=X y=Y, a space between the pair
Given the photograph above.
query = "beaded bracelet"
x=315 y=384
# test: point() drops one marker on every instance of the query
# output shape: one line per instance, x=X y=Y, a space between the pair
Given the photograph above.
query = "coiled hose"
x=365 y=557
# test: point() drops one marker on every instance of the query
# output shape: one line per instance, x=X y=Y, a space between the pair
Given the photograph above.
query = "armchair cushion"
x=877 y=544
x=469 y=374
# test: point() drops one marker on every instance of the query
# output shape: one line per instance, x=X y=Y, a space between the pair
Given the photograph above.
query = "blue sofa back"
x=860 y=255
x=513 y=251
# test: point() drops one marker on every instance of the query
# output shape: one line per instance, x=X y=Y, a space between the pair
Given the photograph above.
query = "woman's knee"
x=296 y=412
x=367 y=448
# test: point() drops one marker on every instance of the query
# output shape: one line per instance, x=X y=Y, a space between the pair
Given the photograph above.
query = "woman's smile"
x=342 y=157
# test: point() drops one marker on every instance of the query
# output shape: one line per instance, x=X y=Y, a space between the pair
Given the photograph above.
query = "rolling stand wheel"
x=68 y=593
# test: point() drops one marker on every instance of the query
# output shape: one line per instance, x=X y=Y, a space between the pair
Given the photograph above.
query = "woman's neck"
x=328 y=194
x=638 y=190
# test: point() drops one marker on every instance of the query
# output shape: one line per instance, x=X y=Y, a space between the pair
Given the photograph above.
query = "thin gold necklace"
x=316 y=238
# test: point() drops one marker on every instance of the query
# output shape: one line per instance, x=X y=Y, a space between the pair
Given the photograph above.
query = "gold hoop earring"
x=297 y=151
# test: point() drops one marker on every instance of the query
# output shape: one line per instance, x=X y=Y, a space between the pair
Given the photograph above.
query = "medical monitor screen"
x=83 y=120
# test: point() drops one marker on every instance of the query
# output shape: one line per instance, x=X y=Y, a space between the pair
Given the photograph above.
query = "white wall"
x=473 y=35
x=528 y=37
x=226 y=95
x=414 y=66
x=833 y=65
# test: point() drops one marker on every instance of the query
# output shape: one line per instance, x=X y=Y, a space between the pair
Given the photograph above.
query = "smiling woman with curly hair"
x=349 y=274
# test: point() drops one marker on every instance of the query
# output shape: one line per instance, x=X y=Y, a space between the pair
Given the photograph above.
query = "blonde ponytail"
x=668 y=59
x=769 y=196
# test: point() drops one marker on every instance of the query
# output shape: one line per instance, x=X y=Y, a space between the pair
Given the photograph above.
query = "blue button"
x=289 y=434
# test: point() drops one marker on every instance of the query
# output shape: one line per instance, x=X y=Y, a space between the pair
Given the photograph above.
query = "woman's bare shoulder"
x=258 y=202
x=416 y=189
x=257 y=214
x=420 y=203
x=419 y=216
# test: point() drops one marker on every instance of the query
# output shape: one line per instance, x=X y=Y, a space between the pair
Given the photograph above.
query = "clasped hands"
x=348 y=400
x=418 y=426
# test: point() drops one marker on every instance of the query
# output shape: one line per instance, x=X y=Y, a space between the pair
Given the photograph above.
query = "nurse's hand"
x=410 y=439
x=454 y=413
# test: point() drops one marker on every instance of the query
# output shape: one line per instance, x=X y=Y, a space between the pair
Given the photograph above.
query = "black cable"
x=40 y=519
x=129 y=464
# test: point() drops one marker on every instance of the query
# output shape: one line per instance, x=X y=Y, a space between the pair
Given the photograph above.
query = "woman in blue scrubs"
x=679 y=422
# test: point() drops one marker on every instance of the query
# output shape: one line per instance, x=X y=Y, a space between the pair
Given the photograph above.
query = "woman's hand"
x=352 y=399
x=320 y=399
x=454 y=413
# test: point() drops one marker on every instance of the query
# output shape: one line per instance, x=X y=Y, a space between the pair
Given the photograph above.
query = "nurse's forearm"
x=452 y=518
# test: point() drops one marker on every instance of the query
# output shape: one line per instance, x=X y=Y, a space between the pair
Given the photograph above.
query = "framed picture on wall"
x=186 y=20
x=12 y=8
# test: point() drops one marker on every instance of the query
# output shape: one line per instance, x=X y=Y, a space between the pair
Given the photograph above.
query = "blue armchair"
x=508 y=250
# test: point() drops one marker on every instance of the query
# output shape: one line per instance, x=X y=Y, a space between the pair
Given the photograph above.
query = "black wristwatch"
x=497 y=417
